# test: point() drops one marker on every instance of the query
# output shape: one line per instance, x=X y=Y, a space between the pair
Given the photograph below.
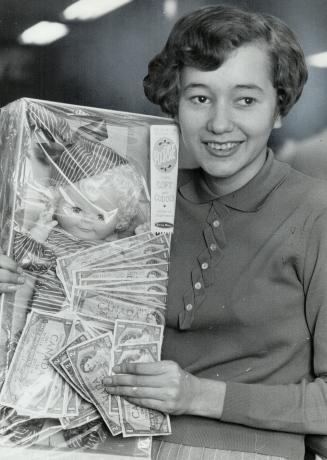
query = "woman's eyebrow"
x=194 y=85
x=251 y=86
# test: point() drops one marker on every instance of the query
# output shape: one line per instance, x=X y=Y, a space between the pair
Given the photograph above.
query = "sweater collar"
x=248 y=198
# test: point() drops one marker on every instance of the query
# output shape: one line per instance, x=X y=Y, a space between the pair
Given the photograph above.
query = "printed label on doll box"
x=164 y=168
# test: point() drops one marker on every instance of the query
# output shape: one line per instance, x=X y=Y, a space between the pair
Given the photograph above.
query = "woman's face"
x=226 y=116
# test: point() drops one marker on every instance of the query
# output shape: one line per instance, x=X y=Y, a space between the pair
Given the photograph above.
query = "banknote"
x=159 y=259
x=140 y=421
x=128 y=273
x=73 y=380
x=137 y=353
x=145 y=298
x=68 y=375
x=84 y=298
x=136 y=420
x=135 y=286
x=56 y=405
x=132 y=333
x=30 y=376
x=61 y=354
x=86 y=413
x=96 y=326
x=71 y=403
x=66 y=265
x=91 y=362
x=95 y=254
x=138 y=252
x=113 y=308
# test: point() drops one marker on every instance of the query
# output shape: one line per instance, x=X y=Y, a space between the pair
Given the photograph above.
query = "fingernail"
x=107 y=381
x=19 y=270
x=116 y=369
x=21 y=279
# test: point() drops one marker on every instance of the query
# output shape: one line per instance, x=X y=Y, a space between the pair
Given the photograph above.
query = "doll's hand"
x=11 y=275
x=44 y=225
x=166 y=387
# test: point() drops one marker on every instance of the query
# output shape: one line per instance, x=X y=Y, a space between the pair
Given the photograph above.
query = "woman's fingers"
x=156 y=368
x=7 y=263
x=8 y=278
x=148 y=403
x=132 y=380
x=137 y=392
x=11 y=275
x=6 y=288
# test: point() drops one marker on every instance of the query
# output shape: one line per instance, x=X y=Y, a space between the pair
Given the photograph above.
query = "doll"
x=94 y=196
x=84 y=213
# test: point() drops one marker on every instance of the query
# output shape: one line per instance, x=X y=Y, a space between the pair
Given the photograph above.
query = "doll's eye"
x=76 y=210
x=101 y=217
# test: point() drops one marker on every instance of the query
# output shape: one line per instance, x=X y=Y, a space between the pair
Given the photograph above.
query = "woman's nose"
x=220 y=119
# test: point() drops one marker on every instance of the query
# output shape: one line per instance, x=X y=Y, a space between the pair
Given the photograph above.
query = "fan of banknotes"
x=116 y=297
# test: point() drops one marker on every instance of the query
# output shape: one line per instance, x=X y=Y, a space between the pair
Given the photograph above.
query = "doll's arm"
x=43 y=225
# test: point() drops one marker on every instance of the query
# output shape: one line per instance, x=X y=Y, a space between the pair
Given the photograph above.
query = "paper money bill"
x=139 y=421
x=56 y=406
x=95 y=254
x=135 y=420
x=159 y=259
x=158 y=286
x=73 y=379
x=113 y=308
x=139 y=254
x=65 y=371
x=85 y=299
x=30 y=377
x=154 y=299
x=96 y=326
x=71 y=402
x=132 y=333
x=128 y=273
x=86 y=413
x=91 y=361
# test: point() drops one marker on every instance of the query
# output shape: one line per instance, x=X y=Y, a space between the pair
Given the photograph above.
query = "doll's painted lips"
x=84 y=229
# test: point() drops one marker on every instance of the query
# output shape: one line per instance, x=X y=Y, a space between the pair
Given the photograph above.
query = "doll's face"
x=82 y=218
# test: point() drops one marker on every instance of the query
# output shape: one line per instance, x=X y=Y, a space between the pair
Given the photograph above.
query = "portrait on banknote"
x=82 y=213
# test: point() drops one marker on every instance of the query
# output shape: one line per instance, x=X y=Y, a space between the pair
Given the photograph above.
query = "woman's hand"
x=166 y=387
x=11 y=275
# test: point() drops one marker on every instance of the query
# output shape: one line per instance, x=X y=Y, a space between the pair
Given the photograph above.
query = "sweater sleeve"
x=298 y=407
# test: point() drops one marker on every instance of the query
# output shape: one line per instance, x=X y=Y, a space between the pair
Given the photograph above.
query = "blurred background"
x=102 y=56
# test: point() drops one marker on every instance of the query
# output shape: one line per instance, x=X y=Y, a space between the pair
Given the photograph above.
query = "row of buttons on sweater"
x=203 y=275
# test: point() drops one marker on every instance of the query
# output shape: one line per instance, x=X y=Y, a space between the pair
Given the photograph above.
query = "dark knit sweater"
x=248 y=305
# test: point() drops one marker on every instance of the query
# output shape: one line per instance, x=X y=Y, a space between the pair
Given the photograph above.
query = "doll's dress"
x=40 y=260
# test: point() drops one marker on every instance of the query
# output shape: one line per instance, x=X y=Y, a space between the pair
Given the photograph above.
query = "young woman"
x=244 y=370
x=244 y=363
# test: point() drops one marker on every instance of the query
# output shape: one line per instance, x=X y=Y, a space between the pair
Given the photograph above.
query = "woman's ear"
x=278 y=122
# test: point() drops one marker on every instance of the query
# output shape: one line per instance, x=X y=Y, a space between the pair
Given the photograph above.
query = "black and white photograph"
x=163 y=230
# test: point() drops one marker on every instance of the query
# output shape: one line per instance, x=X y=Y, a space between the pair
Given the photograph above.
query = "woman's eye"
x=200 y=99
x=76 y=210
x=246 y=101
x=101 y=217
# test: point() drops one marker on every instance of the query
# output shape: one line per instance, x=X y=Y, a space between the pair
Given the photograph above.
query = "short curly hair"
x=205 y=38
